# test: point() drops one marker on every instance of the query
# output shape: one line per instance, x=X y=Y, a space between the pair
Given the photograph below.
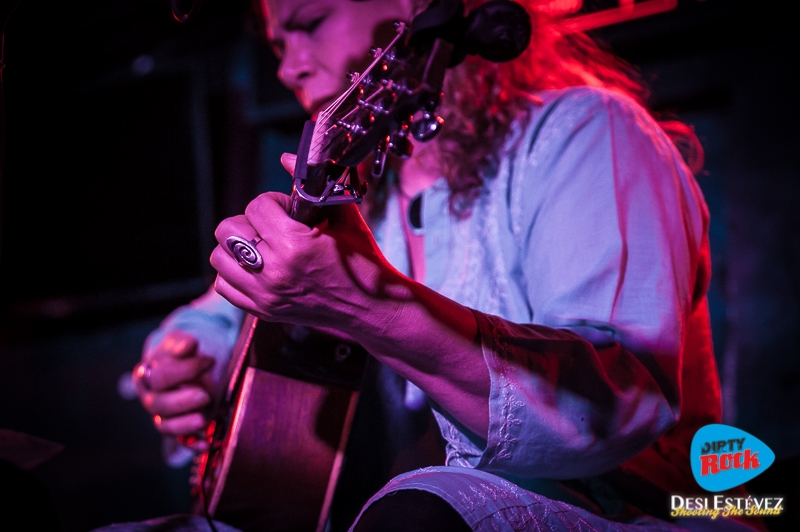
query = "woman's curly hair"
x=484 y=99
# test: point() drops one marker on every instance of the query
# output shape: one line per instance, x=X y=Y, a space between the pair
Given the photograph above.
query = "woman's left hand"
x=334 y=276
x=324 y=276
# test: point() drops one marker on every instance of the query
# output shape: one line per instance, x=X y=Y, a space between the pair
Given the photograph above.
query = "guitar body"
x=278 y=447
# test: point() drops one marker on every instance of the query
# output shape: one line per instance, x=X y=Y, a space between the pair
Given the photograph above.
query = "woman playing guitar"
x=538 y=270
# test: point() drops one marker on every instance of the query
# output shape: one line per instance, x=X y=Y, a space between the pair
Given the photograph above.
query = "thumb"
x=289 y=161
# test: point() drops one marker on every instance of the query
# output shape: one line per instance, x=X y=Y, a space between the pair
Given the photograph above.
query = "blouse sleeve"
x=610 y=234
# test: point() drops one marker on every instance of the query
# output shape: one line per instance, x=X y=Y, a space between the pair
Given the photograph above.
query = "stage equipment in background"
x=585 y=15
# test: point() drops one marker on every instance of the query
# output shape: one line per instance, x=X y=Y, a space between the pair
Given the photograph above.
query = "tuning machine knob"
x=427 y=127
x=379 y=163
x=400 y=145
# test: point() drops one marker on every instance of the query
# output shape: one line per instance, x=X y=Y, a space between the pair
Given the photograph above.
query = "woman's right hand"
x=174 y=385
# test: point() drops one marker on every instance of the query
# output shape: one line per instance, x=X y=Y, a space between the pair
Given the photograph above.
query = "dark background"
x=129 y=136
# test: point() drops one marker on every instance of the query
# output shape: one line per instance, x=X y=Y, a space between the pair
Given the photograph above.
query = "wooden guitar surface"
x=275 y=462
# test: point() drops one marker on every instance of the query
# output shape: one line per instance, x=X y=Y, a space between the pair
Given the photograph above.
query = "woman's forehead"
x=284 y=15
x=281 y=14
x=279 y=11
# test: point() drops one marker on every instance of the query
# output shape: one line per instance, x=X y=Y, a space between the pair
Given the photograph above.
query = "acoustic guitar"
x=279 y=431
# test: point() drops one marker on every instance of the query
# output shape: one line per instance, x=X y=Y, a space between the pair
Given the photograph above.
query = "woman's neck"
x=417 y=173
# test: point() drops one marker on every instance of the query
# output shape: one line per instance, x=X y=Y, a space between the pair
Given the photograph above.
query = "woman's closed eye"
x=310 y=26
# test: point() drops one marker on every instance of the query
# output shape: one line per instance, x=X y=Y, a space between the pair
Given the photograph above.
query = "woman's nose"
x=296 y=65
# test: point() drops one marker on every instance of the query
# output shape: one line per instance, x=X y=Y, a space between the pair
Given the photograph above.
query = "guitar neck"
x=314 y=181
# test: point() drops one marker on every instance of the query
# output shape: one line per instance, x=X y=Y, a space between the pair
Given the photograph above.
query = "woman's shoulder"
x=585 y=97
x=563 y=116
x=588 y=137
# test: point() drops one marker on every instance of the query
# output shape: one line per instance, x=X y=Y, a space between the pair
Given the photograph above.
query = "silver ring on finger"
x=245 y=252
x=143 y=374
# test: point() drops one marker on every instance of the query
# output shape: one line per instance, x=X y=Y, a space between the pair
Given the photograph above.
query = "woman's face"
x=319 y=41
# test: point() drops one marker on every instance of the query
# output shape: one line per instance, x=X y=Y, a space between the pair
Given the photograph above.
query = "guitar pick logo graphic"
x=724 y=457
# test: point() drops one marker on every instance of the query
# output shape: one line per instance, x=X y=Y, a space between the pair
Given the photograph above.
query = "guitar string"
x=352 y=110
x=326 y=114
x=332 y=108
x=338 y=134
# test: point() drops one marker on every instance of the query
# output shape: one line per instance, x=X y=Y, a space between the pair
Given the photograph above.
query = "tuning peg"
x=400 y=145
x=378 y=109
x=352 y=128
x=379 y=163
x=427 y=127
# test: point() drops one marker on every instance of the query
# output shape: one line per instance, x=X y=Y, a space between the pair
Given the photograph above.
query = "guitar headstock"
x=396 y=98
x=389 y=104
x=383 y=101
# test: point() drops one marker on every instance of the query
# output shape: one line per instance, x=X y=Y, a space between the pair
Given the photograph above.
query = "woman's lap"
x=488 y=503
x=455 y=499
